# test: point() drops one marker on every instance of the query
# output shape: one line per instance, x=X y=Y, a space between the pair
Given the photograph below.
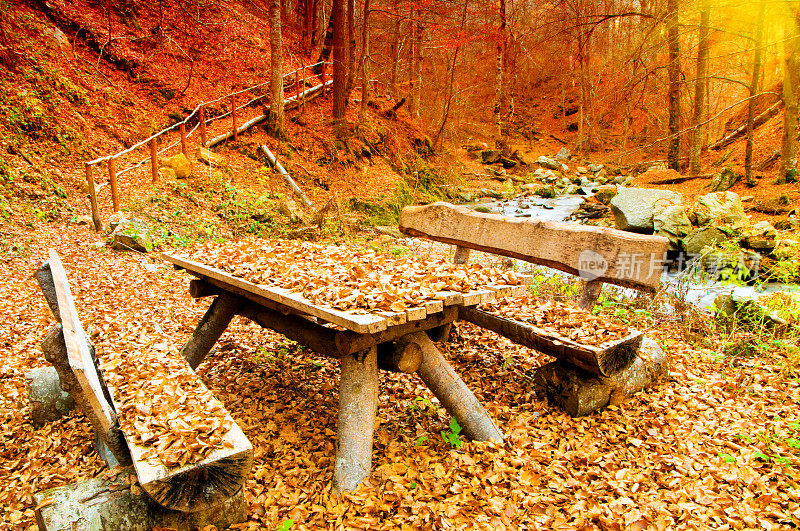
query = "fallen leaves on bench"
x=558 y=319
x=164 y=406
x=346 y=279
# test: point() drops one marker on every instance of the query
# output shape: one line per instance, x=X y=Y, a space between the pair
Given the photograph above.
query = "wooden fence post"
x=98 y=224
x=297 y=82
x=154 y=160
x=323 y=78
x=183 y=139
x=303 y=99
x=203 y=138
x=112 y=176
x=233 y=116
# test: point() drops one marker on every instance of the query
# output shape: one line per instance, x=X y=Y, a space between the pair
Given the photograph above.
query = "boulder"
x=582 y=169
x=633 y=207
x=605 y=193
x=699 y=239
x=735 y=266
x=563 y=154
x=181 y=165
x=724 y=208
x=789 y=223
x=83 y=220
x=206 y=156
x=546 y=191
x=166 y=173
x=47 y=400
x=132 y=235
x=548 y=163
x=724 y=180
x=671 y=222
x=573 y=189
x=594 y=168
x=762 y=237
x=489 y=156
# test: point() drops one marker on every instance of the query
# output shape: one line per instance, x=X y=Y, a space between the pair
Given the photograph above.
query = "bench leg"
x=454 y=394
x=210 y=328
x=358 y=401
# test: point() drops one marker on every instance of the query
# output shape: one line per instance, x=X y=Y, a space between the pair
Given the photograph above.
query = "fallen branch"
x=740 y=132
x=288 y=178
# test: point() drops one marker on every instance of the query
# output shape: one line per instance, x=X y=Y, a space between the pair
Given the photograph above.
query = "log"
x=67 y=347
x=739 y=132
x=461 y=256
x=401 y=356
x=48 y=400
x=210 y=328
x=200 y=486
x=589 y=295
x=581 y=393
x=453 y=393
x=96 y=221
x=286 y=177
x=200 y=288
x=336 y=343
x=358 y=402
x=604 y=360
x=55 y=351
x=111 y=503
x=568 y=247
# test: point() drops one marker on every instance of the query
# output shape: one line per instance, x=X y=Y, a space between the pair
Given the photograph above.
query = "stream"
x=690 y=288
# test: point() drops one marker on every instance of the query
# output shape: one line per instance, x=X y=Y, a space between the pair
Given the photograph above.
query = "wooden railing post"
x=297 y=82
x=323 y=78
x=233 y=116
x=303 y=99
x=154 y=160
x=112 y=176
x=98 y=224
x=203 y=138
x=183 y=139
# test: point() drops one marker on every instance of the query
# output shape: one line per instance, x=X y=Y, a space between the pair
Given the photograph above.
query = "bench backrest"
x=594 y=253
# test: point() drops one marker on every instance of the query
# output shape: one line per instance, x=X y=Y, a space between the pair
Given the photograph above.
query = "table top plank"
x=361 y=323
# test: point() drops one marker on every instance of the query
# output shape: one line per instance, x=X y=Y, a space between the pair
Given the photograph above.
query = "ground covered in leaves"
x=712 y=447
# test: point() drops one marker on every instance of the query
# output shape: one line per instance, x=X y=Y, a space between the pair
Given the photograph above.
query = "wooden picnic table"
x=363 y=342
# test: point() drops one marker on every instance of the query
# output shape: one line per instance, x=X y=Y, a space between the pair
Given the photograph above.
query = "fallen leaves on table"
x=559 y=319
x=347 y=279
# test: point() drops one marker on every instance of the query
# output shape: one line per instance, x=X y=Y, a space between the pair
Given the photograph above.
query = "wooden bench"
x=585 y=377
x=200 y=488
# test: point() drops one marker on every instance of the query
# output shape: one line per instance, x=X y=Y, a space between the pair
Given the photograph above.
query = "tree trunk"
x=417 y=64
x=437 y=139
x=790 y=73
x=673 y=69
x=339 y=67
x=308 y=22
x=501 y=49
x=362 y=111
x=699 y=91
x=751 y=104
x=351 y=48
x=276 y=121
x=395 y=50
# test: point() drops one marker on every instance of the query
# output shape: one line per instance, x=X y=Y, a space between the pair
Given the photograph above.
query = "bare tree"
x=339 y=67
x=500 y=67
x=791 y=45
x=362 y=110
x=751 y=104
x=699 y=90
x=674 y=94
x=276 y=122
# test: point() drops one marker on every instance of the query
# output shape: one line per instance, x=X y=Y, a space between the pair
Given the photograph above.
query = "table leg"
x=454 y=394
x=358 y=401
x=210 y=328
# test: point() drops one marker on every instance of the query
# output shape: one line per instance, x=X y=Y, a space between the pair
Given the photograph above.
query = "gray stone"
x=724 y=208
x=699 y=239
x=132 y=235
x=573 y=189
x=724 y=180
x=489 y=156
x=582 y=169
x=762 y=237
x=546 y=191
x=112 y=503
x=576 y=179
x=602 y=174
x=789 y=223
x=48 y=401
x=621 y=179
x=548 y=163
x=731 y=265
x=724 y=304
x=181 y=165
x=671 y=222
x=747 y=198
x=563 y=154
x=605 y=193
x=83 y=220
x=633 y=208
x=594 y=168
